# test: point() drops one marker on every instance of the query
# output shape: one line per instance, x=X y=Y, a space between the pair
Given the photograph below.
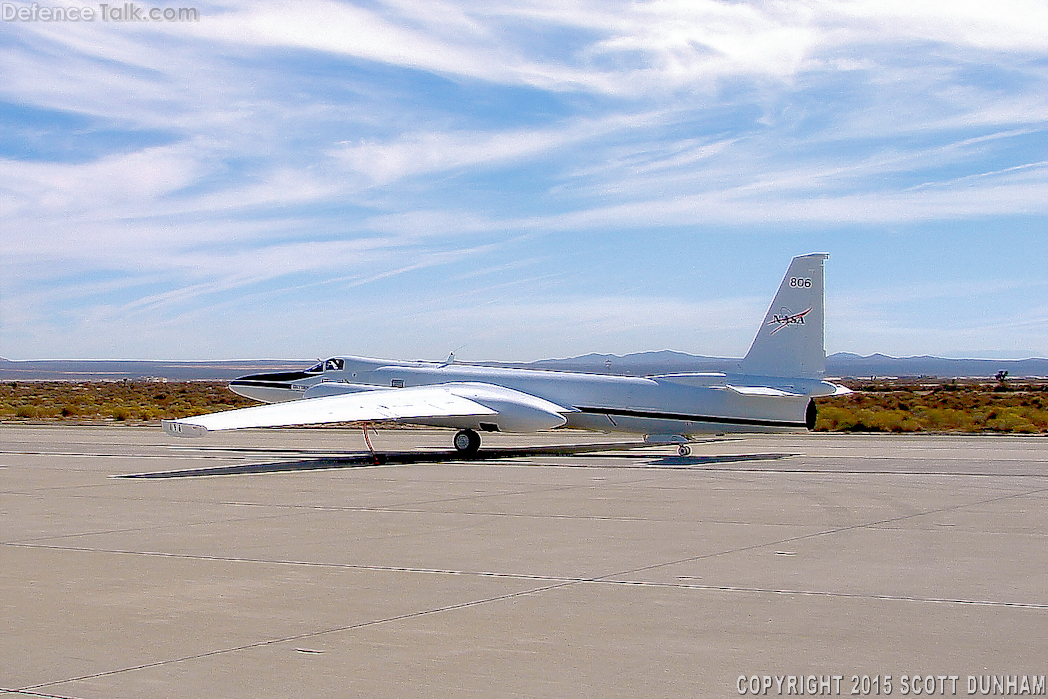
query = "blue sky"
x=522 y=180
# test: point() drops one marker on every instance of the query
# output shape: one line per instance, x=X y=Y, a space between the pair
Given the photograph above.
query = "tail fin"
x=790 y=341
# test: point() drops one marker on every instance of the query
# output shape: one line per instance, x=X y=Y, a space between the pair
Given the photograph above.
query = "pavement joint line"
x=710 y=465
x=29 y=693
x=123 y=530
x=296 y=508
x=493 y=459
x=828 y=532
x=827 y=593
x=300 y=509
x=101 y=456
x=405 y=509
x=305 y=635
x=207 y=451
x=482 y=496
x=787 y=471
x=567 y=580
x=310 y=564
x=482 y=513
x=875 y=457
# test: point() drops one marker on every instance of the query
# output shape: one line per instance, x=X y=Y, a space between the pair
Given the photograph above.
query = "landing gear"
x=467 y=442
x=371 y=449
x=683 y=450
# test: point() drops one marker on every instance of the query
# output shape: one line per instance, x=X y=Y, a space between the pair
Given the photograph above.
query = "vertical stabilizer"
x=790 y=341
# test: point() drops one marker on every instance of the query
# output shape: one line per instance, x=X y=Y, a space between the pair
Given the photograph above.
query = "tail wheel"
x=683 y=450
x=467 y=442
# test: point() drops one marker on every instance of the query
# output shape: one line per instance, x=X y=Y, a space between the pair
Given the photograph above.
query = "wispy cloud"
x=156 y=178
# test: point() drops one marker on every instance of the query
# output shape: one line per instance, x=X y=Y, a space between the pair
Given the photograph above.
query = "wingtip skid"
x=177 y=428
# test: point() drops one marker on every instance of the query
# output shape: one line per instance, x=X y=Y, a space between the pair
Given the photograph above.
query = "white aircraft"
x=771 y=391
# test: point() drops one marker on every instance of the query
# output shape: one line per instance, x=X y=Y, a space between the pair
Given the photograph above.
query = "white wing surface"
x=505 y=408
x=761 y=391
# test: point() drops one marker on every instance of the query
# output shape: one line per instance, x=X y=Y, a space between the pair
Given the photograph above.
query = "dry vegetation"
x=937 y=406
x=113 y=401
x=879 y=406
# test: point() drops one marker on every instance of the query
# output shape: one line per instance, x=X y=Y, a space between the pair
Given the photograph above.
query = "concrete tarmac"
x=284 y=563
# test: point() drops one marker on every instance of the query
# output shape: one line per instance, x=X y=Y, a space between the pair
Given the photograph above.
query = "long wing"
x=509 y=410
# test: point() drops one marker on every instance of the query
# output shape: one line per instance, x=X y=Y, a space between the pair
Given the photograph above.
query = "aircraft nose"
x=271 y=387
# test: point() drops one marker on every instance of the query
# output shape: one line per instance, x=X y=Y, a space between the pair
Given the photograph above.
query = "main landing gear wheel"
x=467 y=442
x=683 y=450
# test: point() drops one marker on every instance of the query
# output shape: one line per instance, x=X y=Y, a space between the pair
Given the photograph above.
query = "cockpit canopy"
x=333 y=364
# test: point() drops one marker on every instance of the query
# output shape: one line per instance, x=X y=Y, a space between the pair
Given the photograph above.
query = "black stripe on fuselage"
x=261 y=384
x=278 y=376
x=690 y=418
x=279 y=380
x=270 y=380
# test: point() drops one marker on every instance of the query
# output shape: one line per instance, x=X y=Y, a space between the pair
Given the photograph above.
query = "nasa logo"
x=785 y=318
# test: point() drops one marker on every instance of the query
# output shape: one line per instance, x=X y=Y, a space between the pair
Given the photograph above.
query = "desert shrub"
x=1010 y=420
x=945 y=419
x=27 y=411
x=834 y=418
x=888 y=421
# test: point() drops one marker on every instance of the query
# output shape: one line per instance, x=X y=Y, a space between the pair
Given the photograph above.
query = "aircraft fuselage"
x=669 y=405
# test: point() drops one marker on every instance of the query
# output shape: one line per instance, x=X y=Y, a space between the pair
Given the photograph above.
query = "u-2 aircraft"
x=771 y=390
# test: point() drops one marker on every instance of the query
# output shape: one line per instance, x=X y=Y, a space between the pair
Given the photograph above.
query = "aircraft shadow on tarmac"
x=367 y=459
